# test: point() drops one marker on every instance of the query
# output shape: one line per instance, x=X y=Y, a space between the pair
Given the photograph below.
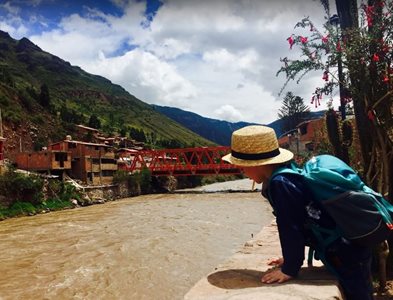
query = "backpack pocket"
x=358 y=218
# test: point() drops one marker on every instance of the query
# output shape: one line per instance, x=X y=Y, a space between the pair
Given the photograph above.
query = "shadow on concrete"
x=236 y=279
x=244 y=278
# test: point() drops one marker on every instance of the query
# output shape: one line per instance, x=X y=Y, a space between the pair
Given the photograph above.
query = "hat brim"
x=284 y=156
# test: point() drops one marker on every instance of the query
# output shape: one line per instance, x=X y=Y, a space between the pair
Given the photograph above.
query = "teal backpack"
x=361 y=215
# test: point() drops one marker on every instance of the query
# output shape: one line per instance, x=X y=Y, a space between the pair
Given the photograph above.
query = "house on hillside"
x=53 y=162
x=304 y=137
x=81 y=129
x=91 y=162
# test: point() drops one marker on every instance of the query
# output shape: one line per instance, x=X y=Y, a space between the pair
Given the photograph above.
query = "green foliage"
x=60 y=195
x=138 y=182
x=40 y=141
x=18 y=209
x=6 y=77
x=68 y=192
x=120 y=176
x=21 y=187
x=26 y=100
x=293 y=111
x=13 y=115
x=4 y=101
x=169 y=144
x=44 y=97
x=94 y=122
x=145 y=181
x=71 y=115
x=123 y=131
x=137 y=134
x=37 y=119
x=32 y=92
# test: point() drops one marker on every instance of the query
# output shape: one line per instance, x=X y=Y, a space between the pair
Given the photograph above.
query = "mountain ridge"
x=218 y=131
x=75 y=95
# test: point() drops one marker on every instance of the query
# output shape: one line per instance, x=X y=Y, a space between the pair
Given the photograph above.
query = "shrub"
x=20 y=187
x=120 y=176
x=145 y=181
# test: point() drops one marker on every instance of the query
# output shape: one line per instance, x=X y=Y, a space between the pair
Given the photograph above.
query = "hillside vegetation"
x=42 y=97
x=219 y=131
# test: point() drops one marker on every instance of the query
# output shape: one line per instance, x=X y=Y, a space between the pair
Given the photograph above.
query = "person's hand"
x=276 y=262
x=275 y=276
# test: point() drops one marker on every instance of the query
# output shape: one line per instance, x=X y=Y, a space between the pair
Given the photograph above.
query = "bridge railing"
x=184 y=161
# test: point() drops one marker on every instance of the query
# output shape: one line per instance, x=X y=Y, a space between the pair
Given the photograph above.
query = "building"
x=81 y=129
x=304 y=137
x=54 y=162
x=92 y=163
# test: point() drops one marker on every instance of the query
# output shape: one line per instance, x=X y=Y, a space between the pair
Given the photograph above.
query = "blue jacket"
x=292 y=205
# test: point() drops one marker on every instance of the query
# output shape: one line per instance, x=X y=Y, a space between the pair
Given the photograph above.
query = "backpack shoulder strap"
x=287 y=169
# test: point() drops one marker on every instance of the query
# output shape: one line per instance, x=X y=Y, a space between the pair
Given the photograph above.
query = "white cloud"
x=229 y=113
x=148 y=78
x=11 y=9
x=17 y=31
x=216 y=58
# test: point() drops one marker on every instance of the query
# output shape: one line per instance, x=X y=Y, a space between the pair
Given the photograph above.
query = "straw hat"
x=256 y=145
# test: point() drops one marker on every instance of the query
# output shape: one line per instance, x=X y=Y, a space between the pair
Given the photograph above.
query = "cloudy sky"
x=217 y=58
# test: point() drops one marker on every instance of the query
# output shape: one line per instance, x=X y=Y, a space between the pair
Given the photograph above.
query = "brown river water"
x=147 y=247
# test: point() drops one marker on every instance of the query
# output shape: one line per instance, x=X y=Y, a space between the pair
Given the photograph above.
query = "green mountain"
x=42 y=97
x=214 y=130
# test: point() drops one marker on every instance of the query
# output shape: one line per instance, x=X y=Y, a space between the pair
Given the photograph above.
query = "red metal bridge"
x=178 y=162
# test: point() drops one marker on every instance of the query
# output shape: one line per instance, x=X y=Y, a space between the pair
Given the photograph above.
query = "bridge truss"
x=180 y=162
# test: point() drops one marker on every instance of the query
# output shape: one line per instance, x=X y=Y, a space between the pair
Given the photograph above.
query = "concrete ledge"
x=239 y=277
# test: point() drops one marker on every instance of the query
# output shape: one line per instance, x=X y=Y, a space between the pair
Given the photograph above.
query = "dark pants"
x=352 y=265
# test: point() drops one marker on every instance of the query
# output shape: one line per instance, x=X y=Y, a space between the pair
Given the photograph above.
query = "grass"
x=20 y=208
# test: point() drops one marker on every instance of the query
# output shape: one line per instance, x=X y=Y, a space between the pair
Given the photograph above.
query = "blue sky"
x=216 y=58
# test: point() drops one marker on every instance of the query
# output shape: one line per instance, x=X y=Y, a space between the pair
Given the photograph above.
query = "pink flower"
x=290 y=41
x=371 y=115
x=375 y=57
x=303 y=39
x=338 y=46
x=325 y=76
x=325 y=39
x=369 y=9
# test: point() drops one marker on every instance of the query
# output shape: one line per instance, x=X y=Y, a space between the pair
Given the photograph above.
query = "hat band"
x=255 y=156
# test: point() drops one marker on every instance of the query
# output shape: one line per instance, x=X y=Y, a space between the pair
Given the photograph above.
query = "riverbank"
x=71 y=196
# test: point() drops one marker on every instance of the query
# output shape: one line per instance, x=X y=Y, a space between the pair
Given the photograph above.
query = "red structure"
x=179 y=162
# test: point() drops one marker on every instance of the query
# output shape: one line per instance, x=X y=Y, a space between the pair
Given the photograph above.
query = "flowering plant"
x=355 y=59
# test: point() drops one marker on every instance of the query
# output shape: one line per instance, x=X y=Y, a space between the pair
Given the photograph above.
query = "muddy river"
x=147 y=247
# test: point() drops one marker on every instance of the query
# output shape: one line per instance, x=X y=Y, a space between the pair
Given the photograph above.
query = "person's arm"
x=288 y=198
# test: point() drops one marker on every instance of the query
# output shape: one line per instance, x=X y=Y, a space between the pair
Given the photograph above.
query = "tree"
x=94 y=122
x=293 y=111
x=365 y=51
x=44 y=97
x=137 y=134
